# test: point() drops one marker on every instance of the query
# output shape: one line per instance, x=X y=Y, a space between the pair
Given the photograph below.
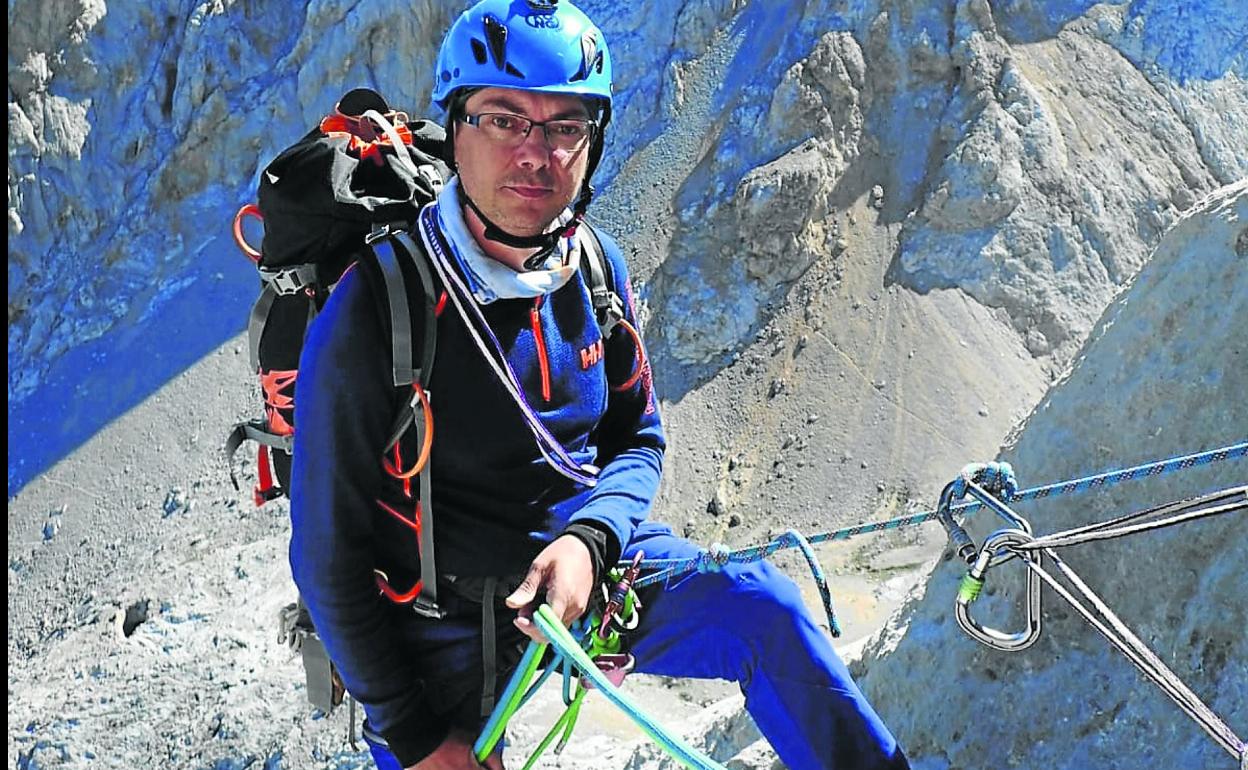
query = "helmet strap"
x=545 y=243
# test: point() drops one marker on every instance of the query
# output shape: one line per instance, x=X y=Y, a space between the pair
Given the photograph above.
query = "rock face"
x=1028 y=156
x=1163 y=372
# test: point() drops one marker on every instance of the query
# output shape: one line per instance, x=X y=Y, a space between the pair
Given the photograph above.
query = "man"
x=548 y=446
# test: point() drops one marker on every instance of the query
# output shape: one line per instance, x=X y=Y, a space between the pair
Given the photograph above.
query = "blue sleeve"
x=343 y=408
x=630 y=435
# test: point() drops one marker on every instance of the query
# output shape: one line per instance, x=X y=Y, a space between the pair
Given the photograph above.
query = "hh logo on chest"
x=591 y=355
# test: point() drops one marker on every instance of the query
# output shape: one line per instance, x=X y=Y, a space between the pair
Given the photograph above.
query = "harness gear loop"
x=997 y=550
x=248 y=210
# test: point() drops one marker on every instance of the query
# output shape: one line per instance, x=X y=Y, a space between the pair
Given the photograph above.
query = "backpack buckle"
x=376 y=235
x=290 y=280
x=427 y=608
x=384 y=230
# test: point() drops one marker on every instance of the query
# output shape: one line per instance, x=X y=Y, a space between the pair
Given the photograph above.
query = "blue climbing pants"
x=746 y=623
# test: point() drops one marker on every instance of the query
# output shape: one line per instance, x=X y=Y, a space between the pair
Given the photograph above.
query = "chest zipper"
x=543 y=364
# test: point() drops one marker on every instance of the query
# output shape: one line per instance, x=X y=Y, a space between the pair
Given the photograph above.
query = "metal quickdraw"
x=989 y=483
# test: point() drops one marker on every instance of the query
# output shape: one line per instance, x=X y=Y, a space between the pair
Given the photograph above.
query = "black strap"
x=429 y=343
x=400 y=316
x=255 y=430
x=489 y=652
x=608 y=306
x=255 y=325
x=398 y=299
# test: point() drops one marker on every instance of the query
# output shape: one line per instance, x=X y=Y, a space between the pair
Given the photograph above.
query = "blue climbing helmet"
x=532 y=45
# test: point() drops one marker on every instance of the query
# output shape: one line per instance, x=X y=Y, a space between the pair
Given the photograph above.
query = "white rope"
x=1225 y=501
x=1141 y=656
x=552 y=451
x=400 y=149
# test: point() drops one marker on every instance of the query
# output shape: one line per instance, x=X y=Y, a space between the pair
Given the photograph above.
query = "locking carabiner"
x=996 y=550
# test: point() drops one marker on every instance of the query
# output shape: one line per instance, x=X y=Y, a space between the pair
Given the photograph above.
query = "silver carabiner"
x=994 y=552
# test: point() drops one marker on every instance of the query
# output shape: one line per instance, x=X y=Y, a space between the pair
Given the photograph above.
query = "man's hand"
x=564 y=570
x=455 y=753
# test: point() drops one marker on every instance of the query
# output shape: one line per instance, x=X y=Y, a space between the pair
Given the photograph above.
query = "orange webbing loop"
x=639 y=358
x=249 y=210
x=272 y=383
x=392 y=468
x=413 y=522
x=398 y=463
x=362 y=128
x=263 y=491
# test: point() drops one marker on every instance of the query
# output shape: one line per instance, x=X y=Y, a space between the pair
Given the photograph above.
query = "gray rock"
x=1154 y=381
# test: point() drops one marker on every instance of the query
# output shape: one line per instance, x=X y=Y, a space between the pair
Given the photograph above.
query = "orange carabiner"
x=425 y=448
x=639 y=358
x=383 y=585
x=249 y=210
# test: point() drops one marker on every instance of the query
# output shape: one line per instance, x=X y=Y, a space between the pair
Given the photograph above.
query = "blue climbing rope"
x=718 y=555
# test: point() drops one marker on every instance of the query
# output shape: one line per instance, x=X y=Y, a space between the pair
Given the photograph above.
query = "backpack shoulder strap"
x=396 y=256
x=608 y=307
x=393 y=248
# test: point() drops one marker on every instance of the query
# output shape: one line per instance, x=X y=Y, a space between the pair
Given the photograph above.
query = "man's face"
x=521 y=188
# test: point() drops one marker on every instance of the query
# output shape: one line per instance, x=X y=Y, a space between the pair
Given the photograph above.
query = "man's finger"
x=527 y=592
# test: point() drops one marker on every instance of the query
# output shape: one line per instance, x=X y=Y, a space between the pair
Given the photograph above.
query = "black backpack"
x=319 y=201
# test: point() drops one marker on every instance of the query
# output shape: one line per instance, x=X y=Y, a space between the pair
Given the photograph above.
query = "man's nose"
x=534 y=151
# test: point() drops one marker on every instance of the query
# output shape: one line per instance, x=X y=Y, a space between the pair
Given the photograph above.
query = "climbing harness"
x=584 y=649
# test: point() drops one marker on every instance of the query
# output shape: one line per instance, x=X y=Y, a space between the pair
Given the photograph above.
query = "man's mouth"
x=529 y=192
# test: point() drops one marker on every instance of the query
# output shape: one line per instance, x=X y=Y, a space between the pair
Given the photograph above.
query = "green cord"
x=511 y=700
x=567 y=720
x=554 y=630
x=572 y=713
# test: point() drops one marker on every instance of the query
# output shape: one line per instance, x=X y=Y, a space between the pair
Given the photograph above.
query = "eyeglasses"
x=568 y=135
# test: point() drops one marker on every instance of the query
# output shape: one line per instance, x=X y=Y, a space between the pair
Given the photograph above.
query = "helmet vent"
x=591 y=57
x=510 y=70
x=496 y=36
x=478 y=51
